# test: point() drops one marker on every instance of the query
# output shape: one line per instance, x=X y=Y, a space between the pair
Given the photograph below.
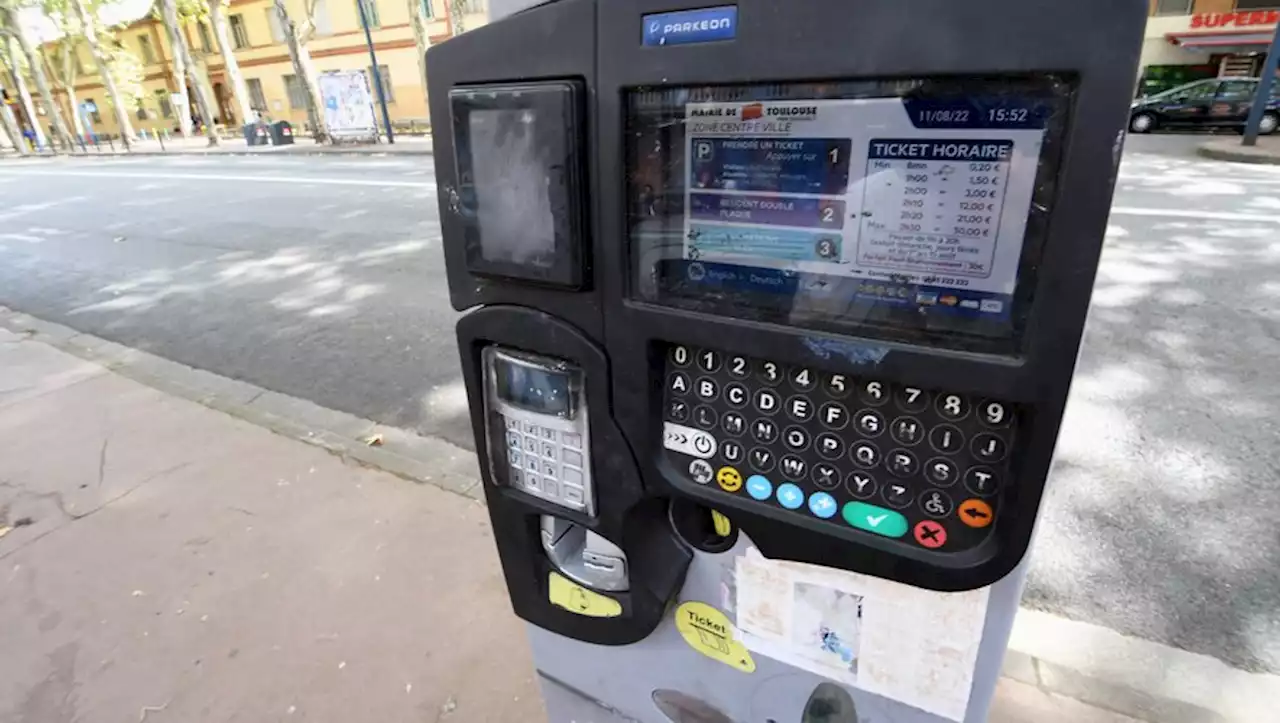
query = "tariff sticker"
x=709 y=632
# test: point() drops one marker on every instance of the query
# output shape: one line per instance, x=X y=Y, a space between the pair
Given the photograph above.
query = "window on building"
x=257 y=99
x=323 y=25
x=95 y=115
x=1175 y=7
x=385 y=74
x=162 y=102
x=142 y=112
x=472 y=6
x=206 y=39
x=370 y=12
x=297 y=94
x=148 y=53
x=239 y=35
x=273 y=22
x=428 y=9
x=1257 y=4
x=75 y=57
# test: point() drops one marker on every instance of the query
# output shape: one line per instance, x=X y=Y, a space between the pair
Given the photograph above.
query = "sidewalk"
x=1229 y=149
x=199 y=146
x=164 y=561
x=167 y=561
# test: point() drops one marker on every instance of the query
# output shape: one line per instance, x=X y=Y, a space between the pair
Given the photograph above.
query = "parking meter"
x=772 y=312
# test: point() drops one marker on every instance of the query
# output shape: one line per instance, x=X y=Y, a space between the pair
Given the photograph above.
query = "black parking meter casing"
x=613 y=314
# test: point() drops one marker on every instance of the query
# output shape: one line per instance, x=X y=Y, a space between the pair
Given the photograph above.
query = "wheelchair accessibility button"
x=759 y=487
x=729 y=479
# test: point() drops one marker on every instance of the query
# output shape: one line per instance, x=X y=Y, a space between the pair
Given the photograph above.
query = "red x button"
x=931 y=534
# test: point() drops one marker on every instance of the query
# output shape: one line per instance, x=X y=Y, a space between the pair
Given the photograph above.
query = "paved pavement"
x=182 y=565
x=321 y=278
x=1229 y=148
x=174 y=563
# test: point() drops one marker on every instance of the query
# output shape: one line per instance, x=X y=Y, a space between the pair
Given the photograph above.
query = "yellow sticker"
x=709 y=632
x=724 y=528
x=577 y=599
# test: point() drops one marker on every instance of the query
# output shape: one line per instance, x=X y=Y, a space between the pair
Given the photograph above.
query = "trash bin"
x=282 y=133
x=257 y=134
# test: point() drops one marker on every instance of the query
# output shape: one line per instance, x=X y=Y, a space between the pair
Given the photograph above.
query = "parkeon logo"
x=752 y=112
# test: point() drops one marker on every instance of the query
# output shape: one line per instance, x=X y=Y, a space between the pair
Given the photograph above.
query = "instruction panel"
x=918 y=647
x=935 y=195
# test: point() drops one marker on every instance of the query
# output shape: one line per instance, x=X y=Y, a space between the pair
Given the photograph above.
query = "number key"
x=770 y=372
x=873 y=393
x=709 y=361
x=739 y=367
x=912 y=399
x=952 y=407
x=837 y=385
x=804 y=380
x=680 y=356
x=993 y=414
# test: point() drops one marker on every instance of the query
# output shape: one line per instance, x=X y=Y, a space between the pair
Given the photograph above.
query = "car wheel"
x=1270 y=121
x=1142 y=123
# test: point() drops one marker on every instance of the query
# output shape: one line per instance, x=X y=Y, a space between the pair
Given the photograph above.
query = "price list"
x=934 y=206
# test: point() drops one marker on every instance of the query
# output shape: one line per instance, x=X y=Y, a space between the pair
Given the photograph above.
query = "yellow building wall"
x=338 y=44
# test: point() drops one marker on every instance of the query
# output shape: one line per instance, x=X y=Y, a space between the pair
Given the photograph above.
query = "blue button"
x=823 y=505
x=790 y=496
x=759 y=488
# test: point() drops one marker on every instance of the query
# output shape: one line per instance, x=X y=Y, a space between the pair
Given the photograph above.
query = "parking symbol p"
x=704 y=150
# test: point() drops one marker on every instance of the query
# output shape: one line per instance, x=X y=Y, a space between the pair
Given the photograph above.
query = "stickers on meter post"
x=844 y=195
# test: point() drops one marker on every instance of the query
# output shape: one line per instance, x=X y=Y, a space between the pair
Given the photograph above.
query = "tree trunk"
x=28 y=107
x=42 y=85
x=68 y=80
x=90 y=31
x=457 y=11
x=422 y=38
x=304 y=71
x=229 y=63
x=178 y=66
x=169 y=10
x=11 y=129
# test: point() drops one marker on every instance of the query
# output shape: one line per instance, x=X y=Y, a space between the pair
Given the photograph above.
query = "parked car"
x=1216 y=103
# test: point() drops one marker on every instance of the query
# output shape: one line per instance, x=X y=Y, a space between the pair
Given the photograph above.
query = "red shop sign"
x=1242 y=19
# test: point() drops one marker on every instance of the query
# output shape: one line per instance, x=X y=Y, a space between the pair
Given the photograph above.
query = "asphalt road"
x=322 y=278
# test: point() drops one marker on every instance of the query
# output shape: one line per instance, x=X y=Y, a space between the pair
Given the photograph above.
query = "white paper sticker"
x=915 y=646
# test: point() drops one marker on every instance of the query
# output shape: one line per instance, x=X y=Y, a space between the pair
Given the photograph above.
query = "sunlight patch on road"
x=446 y=399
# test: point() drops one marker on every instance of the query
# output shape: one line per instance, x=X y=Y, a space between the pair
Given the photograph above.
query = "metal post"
x=377 y=75
x=1264 y=91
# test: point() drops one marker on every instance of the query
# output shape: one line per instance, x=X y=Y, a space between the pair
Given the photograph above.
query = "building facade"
x=1188 y=40
x=256 y=33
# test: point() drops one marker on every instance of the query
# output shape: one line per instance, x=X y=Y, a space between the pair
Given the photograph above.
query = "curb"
x=1088 y=663
x=1221 y=154
x=401 y=452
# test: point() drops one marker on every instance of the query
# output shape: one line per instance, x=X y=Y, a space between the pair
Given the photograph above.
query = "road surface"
x=322 y=278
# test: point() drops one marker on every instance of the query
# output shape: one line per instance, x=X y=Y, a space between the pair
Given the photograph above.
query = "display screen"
x=899 y=208
x=538 y=390
x=509 y=174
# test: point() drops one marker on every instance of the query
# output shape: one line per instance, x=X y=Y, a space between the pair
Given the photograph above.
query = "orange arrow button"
x=976 y=513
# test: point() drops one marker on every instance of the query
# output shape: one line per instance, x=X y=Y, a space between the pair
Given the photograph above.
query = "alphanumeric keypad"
x=921 y=465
